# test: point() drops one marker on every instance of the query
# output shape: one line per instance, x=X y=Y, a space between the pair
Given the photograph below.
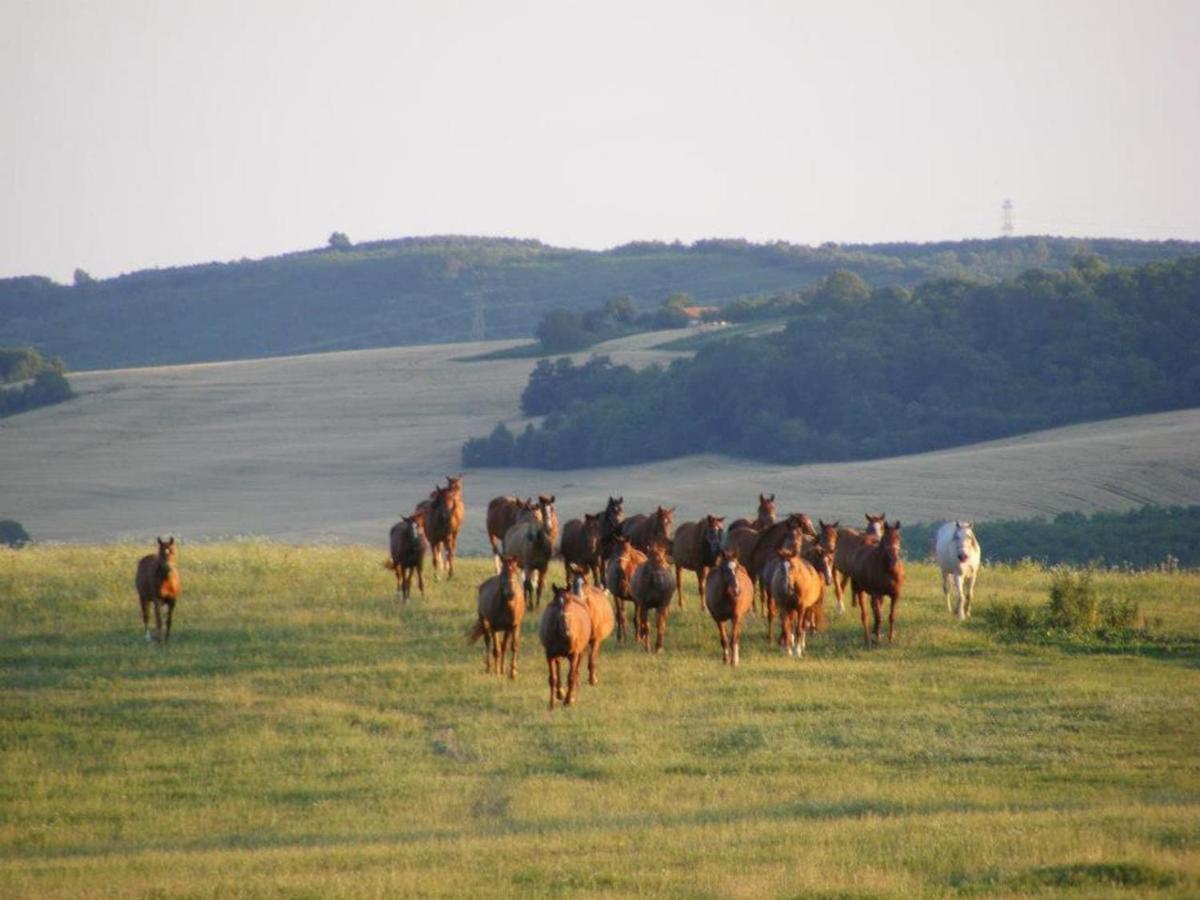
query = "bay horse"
x=644 y=530
x=695 y=548
x=500 y=604
x=407 y=544
x=157 y=583
x=877 y=571
x=652 y=587
x=531 y=540
x=957 y=552
x=798 y=590
x=443 y=512
x=765 y=517
x=502 y=515
x=600 y=612
x=849 y=540
x=580 y=545
x=565 y=630
x=781 y=534
x=728 y=592
x=618 y=577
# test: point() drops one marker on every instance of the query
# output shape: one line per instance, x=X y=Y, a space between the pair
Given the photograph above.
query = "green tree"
x=339 y=241
x=12 y=534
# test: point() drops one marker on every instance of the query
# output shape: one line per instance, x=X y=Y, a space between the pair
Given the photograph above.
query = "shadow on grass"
x=1079 y=876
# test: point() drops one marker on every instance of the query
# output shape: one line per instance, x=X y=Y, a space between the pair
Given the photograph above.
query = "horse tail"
x=475 y=633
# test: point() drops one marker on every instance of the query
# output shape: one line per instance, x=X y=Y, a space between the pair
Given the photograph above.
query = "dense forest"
x=44 y=380
x=439 y=289
x=1144 y=538
x=861 y=373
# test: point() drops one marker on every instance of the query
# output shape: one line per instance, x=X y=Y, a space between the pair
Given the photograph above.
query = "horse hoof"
x=594 y=679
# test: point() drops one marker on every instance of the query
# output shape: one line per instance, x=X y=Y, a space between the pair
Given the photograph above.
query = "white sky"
x=138 y=134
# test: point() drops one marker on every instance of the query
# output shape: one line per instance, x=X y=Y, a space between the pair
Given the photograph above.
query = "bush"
x=1074 y=604
x=12 y=534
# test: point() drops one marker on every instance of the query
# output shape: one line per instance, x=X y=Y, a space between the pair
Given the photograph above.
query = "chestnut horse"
x=565 y=630
x=580 y=545
x=531 y=540
x=849 y=540
x=600 y=612
x=798 y=589
x=502 y=515
x=618 y=577
x=728 y=592
x=500 y=603
x=407 y=540
x=695 y=547
x=765 y=518
x=644 y=530
x=780 y=534
x=443 y=511
x=157 y=582
x=652 y=588
x=876 y=570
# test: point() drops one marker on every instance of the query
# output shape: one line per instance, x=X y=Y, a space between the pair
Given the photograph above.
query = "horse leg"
x=146 y=617
x=552 y=668
x=970 y=590
x=498 y=642
x=701 y=577
x=769 y=603
x=158 y=620
x=862 y=610
x=170 y=616
x=737 y=638
x=960 y=592
x=399 y=582
x=660 y=624
x=803 y=639
x=678 y=584
x=946 y=591
x=724 y=643
x=619 y=615
x=640 y=628
x=573 y=677
x=839 y=588
x=421 y=579
x=892 y=617
x=877 y=614
x=593 y=649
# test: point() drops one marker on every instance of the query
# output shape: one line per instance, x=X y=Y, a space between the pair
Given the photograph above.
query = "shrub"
x=1074 y=604
x=12 y=534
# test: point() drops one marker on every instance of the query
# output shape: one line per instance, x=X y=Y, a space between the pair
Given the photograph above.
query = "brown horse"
x=618 y=577
x=407 y=540
x=695 y=548
x=600 y=612
x=531 y=540
x=877 y=571
x=157 y=582
x=501 y=605
x=782 y=534
x=565 y=630
x=610 y=528
x=502 y=513
x=765 y=517
x=644 y=530
x=849 y=540
x=728 y=592
x=581 y=545
x=443 y=512
x=652 y=588
x=798 y=589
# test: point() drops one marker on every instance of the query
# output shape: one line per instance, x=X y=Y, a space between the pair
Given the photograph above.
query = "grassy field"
x=305 y=736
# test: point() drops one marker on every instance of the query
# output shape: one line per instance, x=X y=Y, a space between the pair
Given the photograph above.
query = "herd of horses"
x=777 y=566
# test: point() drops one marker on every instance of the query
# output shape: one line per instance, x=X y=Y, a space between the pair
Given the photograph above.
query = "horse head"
x=166 y=555
x=727 y=568
x=666 y=517
x=820 y=557
x=510 y=576
x=964 y=540
x=578 y=579
x=803 y=522
x=891 y=541
x=714 y=536
x=875 y=524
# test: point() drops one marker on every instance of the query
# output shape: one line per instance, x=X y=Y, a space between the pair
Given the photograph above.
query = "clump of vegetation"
x=1075 y=609
x=24 y=363
x=12 y=533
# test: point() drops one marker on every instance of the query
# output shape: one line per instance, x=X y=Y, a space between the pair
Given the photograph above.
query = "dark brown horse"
x=652 y=587
x=610 y=528
x=877 y=571
x=618 y=577
x=500 y=603
x=407 y=540
x=781 y=534
x=580 y=545
x=849 y=540
x=565 y=630
x=765 y=518
x=728 y=593
x=600 y=612
x=644 y=530
x=157 y=583
x=695 y=548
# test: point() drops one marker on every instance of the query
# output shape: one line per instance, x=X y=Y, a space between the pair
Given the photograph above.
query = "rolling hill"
x=427 y=290
x=334 y=447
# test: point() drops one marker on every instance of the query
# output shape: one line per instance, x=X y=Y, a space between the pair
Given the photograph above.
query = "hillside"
x=336 y=446
x=426 y=290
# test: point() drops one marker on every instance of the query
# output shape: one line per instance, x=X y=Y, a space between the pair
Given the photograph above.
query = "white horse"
x=956 y=550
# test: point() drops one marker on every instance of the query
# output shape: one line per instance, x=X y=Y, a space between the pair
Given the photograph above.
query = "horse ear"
x=896 y=527
x=772 y=498
x=551 y=500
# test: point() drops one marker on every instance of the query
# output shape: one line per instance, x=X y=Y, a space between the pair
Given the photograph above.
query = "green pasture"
x=303 y=735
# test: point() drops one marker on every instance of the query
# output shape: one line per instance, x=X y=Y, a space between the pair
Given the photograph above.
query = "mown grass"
x=305 y=736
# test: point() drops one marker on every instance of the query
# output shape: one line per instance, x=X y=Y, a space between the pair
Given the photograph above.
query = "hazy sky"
x=141 y=134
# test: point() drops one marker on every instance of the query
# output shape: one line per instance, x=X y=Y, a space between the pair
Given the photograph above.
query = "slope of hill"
x=425 y=290
x=337 y=446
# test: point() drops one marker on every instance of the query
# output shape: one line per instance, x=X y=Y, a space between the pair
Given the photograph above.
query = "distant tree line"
x=564 y=330
x=1144 y=538
x=46 y=383
x=862 y=373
